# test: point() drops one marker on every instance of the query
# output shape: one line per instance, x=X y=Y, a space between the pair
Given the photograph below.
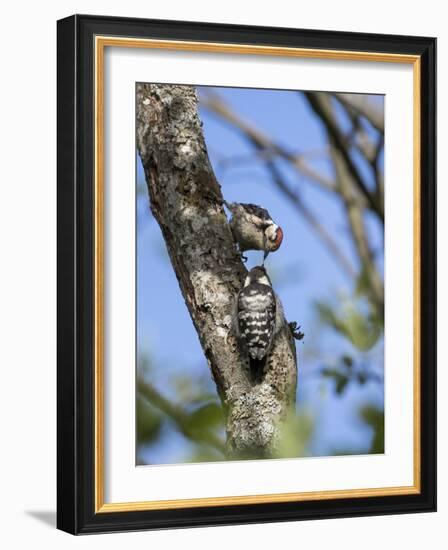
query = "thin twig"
x=308 y=215
x=321 y=105
x=267 y=151
x=346 y=187
x=360 y=104
x=216 y=106
x=362 y=141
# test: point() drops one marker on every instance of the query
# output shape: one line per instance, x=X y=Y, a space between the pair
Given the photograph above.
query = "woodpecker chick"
x=253 y=228
x=259 y=317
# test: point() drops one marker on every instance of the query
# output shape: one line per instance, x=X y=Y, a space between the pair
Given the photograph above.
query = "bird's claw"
x=295 y=330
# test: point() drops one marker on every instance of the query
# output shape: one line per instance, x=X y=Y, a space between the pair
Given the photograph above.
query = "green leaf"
x=341 y=380
x=296 y=434
x=149 y=422
x=363 y=331
x=203 y=453
x=374 y=417
x=363 y=283
x=206 y=418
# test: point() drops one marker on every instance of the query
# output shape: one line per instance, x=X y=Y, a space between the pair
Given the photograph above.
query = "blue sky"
x=302 y=270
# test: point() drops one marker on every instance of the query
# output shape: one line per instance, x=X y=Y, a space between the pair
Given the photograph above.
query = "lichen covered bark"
x=187 y=202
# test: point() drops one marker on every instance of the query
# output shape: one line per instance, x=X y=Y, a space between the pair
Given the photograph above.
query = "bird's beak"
x=266 y=253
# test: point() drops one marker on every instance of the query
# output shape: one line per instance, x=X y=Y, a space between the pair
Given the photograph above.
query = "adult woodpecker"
x=253 y=228
x=259 y=317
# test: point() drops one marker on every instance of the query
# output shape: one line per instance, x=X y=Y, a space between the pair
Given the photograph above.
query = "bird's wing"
x=257 y=211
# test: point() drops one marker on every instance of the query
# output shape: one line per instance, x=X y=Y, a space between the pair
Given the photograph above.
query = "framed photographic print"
x=246 y=274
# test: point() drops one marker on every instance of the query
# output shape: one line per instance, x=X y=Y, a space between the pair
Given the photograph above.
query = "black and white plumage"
x=259 y=316
x=253 y=228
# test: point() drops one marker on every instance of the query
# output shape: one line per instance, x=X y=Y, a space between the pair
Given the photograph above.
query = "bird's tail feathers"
x=257 y=368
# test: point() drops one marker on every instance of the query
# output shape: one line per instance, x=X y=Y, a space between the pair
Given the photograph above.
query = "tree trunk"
x=187 y=202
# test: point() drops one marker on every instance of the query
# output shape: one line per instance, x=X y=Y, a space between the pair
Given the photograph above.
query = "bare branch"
x=308 y=215
x=321 y=105
x=367 y=147
x=262 y=142
x=347 y=186
x=358 y=136
x=362 y=105
x=267 y=150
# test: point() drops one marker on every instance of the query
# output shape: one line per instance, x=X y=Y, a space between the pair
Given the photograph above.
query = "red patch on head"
x=278 y=239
